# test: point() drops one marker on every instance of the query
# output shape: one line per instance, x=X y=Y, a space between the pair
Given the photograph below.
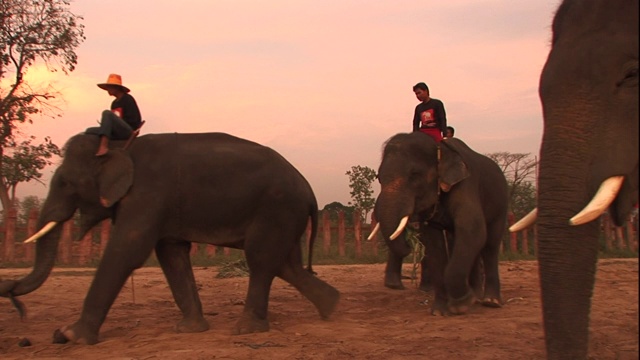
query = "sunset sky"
x=324 y=83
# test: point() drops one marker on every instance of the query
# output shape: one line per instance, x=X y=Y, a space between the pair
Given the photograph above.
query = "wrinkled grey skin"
x=589 y=93
x=167 y=191
x=473 y=208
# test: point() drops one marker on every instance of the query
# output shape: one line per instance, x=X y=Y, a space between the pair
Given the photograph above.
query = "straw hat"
x=114 y=80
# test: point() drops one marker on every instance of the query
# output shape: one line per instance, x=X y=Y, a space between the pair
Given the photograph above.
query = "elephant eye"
x=630 y=77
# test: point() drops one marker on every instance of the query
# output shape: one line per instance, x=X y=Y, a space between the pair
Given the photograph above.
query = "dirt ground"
x=371 y=322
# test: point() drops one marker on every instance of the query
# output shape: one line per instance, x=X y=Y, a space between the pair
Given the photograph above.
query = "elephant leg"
x=425 y=280
x=322 y=295
x=476 y=278
x=393 y=271
x=119 y=260
x=175 y=261
x=436 y=260
x=490 y=260
x=463 y=257
x=267 y=244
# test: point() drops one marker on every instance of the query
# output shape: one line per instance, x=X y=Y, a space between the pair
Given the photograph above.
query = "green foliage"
x=412 y=237
x=30 y=32
x=233 y=268
x=336 y=206
x=25 y=161
x=360 y=180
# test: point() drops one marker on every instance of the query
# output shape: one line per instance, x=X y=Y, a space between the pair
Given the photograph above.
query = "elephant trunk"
x=390 y=209
x=566 y=281
x=46 y=251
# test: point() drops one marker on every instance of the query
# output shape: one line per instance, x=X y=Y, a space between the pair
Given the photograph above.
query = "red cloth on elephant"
x=435 y=133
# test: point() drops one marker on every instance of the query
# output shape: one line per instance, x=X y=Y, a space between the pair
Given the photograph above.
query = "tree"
x=360 y=180
x=337 y=206
x=30 y=32
x=23 y=163
x=520 y=172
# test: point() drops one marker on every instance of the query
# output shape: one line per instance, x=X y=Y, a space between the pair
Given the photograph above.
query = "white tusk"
x=400 y=228
x=600 y=202
x=374 y=232
x=525 y=222
x=45 y=229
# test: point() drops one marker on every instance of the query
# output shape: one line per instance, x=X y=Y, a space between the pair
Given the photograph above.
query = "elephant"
x=451 y=188
x=588 y=158
x=163 y=193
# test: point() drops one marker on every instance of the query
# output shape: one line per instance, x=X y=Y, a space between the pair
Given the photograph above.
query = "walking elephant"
x=451 y=188
x=167 y=191
x=589 y=93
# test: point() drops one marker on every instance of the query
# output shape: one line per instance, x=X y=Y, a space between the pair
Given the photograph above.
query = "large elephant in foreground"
x=451 y=188
x=589 y=94
x=167 y=191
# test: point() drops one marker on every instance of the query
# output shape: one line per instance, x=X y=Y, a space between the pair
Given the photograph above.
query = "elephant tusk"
x=600 y=202
x=525 y=222
x=374 y=232
x=400 y=229
x=45 y=229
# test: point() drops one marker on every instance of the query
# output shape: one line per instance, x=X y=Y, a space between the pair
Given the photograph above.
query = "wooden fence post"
x=357 y=231
x=32 y=222
x=211 y=250
x=341 y=233
x=84 y=248
x=513 y=237
x=374 y=241
x=64 y=255
x=105 y=232
x=525 y=242
x=10 y=235
x=326 y=232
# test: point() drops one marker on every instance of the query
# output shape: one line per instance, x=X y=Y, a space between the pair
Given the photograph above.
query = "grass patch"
x=233 y=268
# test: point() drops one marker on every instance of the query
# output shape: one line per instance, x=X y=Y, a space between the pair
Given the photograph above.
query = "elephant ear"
x=115 y=177
x=451 y=168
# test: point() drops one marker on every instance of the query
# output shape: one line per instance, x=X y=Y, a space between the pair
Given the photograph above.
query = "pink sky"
x=324 y=83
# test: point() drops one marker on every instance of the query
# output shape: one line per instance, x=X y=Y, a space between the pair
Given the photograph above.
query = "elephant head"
x=589 y=94
x=413 y=172
x=84 y=182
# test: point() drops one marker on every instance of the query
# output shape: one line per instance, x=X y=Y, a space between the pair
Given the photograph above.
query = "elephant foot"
x=393 y=282
x=327 y=305
x=491 y=302
x=192 y=325
x=249 y=324
x=439 y=308
x=74 y=334
x=462 y=305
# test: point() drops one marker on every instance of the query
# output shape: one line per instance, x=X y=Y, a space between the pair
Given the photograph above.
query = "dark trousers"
x=112 y=127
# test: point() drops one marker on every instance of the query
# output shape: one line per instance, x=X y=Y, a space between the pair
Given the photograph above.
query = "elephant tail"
x=313 y=214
